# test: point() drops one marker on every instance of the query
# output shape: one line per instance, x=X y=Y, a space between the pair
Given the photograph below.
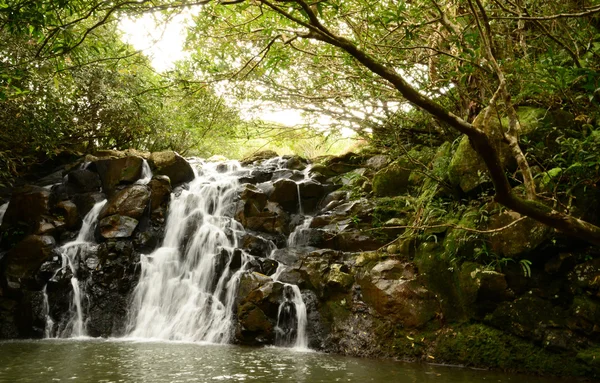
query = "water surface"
x=99 y=360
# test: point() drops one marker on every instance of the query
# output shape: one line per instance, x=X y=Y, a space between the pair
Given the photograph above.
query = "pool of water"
x=100 y=360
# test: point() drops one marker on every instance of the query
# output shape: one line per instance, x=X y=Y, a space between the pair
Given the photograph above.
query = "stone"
x=83 y=181
x=160 y=191
x=24 y=260
x=27 y=205
x=467 y=170
x=378 y=162
x=117 y=226
x=296 y=163
x=70 y=214
x=117 y=171
x=285 y=193
x=85 y=202
x=392 y=289
x=259 y=157
x=518 y=239
x=131 y=202
x=172 y=165
x=338 y=278
x=256 y=245
x=391 y=181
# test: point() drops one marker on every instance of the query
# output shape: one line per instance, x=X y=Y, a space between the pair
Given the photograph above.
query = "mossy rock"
x=392 y=180
x=481 y=346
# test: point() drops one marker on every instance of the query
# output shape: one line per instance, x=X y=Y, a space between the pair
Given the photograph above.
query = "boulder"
x=259 y=157
x=296 y=163
x=131 y=202
x=160 y=191
x=117 y=226
x=518 y=239
x=173 y=166
x=24 y=260
x=116 y=171
x=85 y=202
x=256 y=245
x=27 y=206
x=285 y=193
x=467 y=170
x=378 y=162
x=392 y=180
x=83 y=181
x=392 y=289
x=70 y=214
x=339 y=278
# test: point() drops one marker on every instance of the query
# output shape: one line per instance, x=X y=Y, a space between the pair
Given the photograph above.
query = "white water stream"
x=71 y=253
x=187 y=287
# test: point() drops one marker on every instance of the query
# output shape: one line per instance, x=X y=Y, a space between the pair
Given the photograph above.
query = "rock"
x=160 y=191
x=117 y=226
x=83 y=181
x=392 y=290
x=171 y=165
x=131 y=202
x=527 y=316
x=259 y=157
x=116 y=171
x=70 y=213
x=518 y=239
x=467 y=170
x=285 y=193
x=250 y=282
x=27 y=205
x=378 y=162
x=85 y=202
x=256 y=176
x=338 y=278
x=296 y=163
x=391 y=181
x=354 y=241
x=256 y=245
x=25 y=259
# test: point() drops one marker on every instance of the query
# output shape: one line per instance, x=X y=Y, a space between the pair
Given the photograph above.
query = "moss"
x=392 y=180
x=480 y=345
x=590 y=357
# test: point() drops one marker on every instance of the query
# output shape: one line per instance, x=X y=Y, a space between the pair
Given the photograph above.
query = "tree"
x=474 y=52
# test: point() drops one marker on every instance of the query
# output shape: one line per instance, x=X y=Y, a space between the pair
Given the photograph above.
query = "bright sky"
x=163 y=43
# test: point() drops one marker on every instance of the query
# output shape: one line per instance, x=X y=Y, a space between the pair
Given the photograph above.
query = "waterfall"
x=71 y=253
x=291 y=319
x=146 y=175
x=188 y=286
x=301 y=233
x=3 y=208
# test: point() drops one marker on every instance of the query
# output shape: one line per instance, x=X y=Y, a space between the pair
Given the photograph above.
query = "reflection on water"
x=97 y=360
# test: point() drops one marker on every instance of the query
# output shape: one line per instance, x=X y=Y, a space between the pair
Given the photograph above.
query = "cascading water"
x=71 y=252
x=146 y=175
x=188 y=286
x=2 y=211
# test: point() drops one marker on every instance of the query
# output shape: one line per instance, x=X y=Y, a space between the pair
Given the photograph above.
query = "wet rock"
x=296 y=163
x=354 y=241
x=83 y=181
x=117 y=226
x=27 y=206
x=256 y=177
x=171 y=165
x=160 y=192
x=116 y=171
x=256 y=245
x=85 y=202
x=70 y=214
x=23 y=261
x=311 y=192
x=285 y=193
x=293 y=175
x=131 y=202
